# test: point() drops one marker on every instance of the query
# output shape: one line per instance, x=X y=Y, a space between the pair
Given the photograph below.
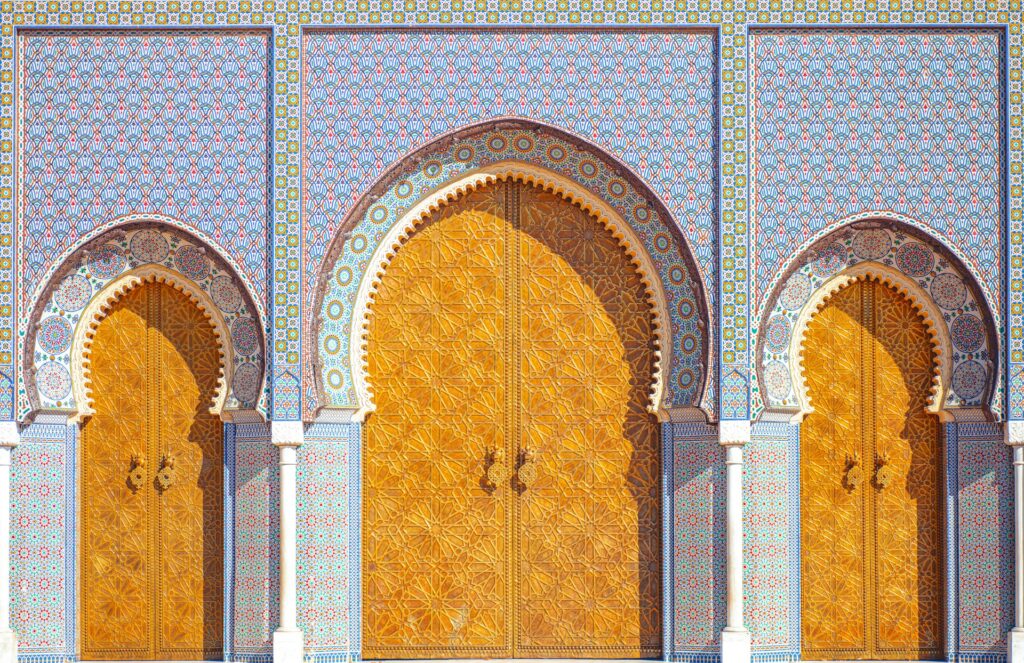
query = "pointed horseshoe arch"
x=98 y=309
x=542 y=178
x=922 y=303
x=68 y=308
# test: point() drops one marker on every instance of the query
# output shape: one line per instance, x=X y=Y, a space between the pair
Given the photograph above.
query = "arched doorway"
x=151 y=564
x=511 y=466
x=870 y=481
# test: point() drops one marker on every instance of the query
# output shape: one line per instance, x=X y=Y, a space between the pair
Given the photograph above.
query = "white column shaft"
x=734 y=536
x=1018 y=533
x=288 y=536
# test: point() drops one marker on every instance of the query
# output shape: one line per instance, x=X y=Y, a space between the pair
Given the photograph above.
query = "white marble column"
x=287 y=437
x=8 y=638
x=733 y=435
x=1015 y=638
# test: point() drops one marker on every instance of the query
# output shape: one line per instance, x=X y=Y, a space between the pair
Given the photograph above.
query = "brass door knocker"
x=165 y=475
x=496 y=472
x=884 y=474
x=854 y=474
x=137 y=472
x=527 y=472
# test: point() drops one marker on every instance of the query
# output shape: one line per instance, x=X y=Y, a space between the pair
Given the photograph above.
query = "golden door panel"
x=833 y=509
x=152 y=484
x=117 y=569
x=907 y=480
x=189 y=530
x=511 y=468
x=436 y=458
x=589 y=516
x=892 y=457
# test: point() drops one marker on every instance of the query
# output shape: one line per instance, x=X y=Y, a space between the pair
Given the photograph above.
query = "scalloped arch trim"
x=467 y=183
x=98 y=309
x=942 y=353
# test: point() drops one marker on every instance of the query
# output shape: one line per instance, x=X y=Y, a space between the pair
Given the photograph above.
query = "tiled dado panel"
x=695 y=562
x=43 y=542
x=848 y=122
x=122 y=123
x=329 y=539
x=253 y=581
x=982 y=535
x=771 y=523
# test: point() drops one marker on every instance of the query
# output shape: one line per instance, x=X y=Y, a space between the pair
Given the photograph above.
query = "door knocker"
x=527 y=467
x=884 y=474
x=165 y=475
x=136 y=472
x=496 y=472
x=854 y=474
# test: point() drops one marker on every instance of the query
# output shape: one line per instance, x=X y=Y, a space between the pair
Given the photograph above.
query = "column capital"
x=286 y=433
x=733 y=433
x=1013 y=433
x=9 y=435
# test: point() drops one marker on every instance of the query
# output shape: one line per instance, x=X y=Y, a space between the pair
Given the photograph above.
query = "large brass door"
x=870 y=475
x=511 y=486
x=152 y=484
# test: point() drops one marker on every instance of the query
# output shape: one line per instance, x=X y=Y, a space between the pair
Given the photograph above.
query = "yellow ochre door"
x=152 y=484
x=870 y=475
x=511 y=504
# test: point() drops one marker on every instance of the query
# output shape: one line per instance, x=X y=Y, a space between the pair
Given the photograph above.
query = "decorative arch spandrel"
x=56 y=345
x=917 y=265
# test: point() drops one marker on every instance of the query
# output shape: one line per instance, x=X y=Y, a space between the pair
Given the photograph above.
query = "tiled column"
x=734 y=435
x=8 y=639
x=287 y=437
x=1015 y=638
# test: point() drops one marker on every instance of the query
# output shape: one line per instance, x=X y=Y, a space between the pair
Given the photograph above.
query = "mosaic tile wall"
x=771 y=576
x=115 y=124
x=328 y=539
x=984 y=540
x=371 y=97
x=43 y=543
x=253 y=592
x=903 y=121
x=698 y=530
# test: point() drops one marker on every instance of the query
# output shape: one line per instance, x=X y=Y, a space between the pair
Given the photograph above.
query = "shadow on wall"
x=698 y=530
x=252 y=601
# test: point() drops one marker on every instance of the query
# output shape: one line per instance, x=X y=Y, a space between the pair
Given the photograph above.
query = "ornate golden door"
x=512 y=472
x=870 y=477
x=152 y=484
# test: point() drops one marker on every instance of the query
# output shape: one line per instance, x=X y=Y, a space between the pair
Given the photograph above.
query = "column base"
x=1015 y=646
x=287 y=646
x=8 y=646
x=736 y=646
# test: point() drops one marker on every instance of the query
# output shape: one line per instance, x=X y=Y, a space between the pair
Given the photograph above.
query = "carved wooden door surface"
x=870 y=477
x=152 y=484
x=511 y=490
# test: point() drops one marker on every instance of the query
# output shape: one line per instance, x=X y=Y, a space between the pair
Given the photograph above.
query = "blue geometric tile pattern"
x=886 y=120
x=372 y=96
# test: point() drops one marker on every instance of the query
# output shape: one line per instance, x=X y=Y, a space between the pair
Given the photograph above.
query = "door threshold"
x=521 y=660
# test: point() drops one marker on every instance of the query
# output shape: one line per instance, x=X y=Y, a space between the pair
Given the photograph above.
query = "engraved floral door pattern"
x=512 y=471
x=870 y=477
x=152 y=484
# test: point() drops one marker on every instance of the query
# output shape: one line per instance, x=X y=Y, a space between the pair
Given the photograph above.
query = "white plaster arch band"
x=52 y=378
x=99 y=307
x=922 y=303
x=943 y=289
x=467 y=183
